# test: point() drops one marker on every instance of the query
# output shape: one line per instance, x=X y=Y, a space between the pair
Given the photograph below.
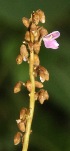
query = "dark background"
x=51 y=124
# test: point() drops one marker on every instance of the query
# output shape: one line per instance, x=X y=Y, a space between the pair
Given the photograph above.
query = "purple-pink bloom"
x=49 y=40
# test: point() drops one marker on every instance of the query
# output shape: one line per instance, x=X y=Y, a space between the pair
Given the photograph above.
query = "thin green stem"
x=31 y=105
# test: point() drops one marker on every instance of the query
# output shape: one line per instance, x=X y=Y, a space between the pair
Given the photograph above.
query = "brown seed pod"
x=41 y=16
x=17 y=138
x=19 y=59
x=43 y=73
x=43 y=32
x=21 y=126
x=26 y=21
x=42 y=96
x=17 y=87
x=38 y=84
x=28 y=86
x=24 y=52
x=24 y=113
x=35 y=18
x=27 y=36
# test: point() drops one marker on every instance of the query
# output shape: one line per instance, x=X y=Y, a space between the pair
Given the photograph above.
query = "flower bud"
x=26 y=21
x=35 y=18
x=19 y=59
x=24 y=52
x=36 y=47
x=43 y=32
x=17 y=87
x=17 y=138
x=27 y=36
x=42 y=96
x=41 y=16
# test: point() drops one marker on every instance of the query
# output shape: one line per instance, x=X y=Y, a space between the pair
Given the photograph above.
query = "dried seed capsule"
x=17 y=138
x=27 y=36
x=26 y=21
x=28 y=85
x=35 y=18
x=43 y=73
x=41 y=16
x=36 y=47
x=42 y=96
x=24 y=52
x=36 y=60
x=17 y=87
x=38 y=84
x=23 y=113
x=43 y=32
x=21 y=126
x=19 y=59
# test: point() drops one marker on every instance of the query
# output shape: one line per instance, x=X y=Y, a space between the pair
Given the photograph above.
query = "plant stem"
x=31 y=105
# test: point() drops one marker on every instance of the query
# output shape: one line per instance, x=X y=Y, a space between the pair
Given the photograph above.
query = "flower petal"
x=50 y=43
x=53 y=35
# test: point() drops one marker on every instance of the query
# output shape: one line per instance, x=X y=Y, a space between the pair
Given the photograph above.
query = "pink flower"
x=49 y=40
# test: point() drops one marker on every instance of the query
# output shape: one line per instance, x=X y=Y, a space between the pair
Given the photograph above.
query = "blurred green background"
x=51 y=123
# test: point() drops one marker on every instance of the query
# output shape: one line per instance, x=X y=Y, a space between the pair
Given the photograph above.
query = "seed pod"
x=26 y=21
x=42 y=96
x=17 y=87
x=19 y=59
x=36 y=47
x=43 y=73
x=43 y=32
x=36 y=60
x=41 y=16
x=23 y=113
x=17 y=138
x=38 y=84
x=21 y=126
x=24 y=52
x=27 y=36
x=35 y=18
x=28 y=86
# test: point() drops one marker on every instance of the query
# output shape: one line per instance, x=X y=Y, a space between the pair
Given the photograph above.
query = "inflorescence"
x=34 y=36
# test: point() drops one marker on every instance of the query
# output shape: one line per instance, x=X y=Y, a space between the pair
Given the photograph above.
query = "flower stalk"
x=31 y=105
x=29 y=52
